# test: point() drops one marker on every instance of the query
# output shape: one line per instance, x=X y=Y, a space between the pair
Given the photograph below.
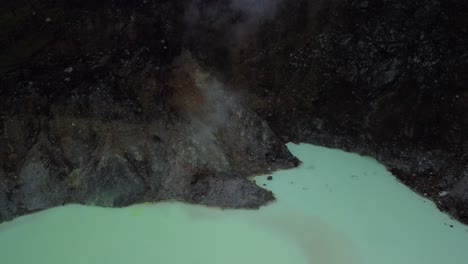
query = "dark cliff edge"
x=113 y=110
x=118 y=102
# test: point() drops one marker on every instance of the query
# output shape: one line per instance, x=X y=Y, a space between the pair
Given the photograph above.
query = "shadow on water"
x=319 y=242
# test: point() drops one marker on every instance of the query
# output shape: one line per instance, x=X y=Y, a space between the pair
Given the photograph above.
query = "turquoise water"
x=337 y=208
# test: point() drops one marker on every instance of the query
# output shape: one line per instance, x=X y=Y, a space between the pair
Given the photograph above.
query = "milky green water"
x=337 y=208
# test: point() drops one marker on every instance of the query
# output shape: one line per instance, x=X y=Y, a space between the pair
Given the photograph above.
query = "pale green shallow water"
x=337 y=208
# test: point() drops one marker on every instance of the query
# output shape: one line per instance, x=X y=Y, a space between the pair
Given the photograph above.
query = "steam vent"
x=233 y=131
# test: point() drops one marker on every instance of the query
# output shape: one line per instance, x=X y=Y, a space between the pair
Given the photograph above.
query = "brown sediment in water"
x=319 y=241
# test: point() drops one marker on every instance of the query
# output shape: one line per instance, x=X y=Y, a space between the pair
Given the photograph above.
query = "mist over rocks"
x=238 y=17
x=184 y=99
x=199 y=146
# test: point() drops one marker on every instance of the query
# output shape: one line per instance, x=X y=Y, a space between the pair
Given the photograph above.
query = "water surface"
x=336 y=208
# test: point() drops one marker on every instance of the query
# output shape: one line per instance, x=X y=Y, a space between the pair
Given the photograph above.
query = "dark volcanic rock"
x=383 y=78
x=117 y=102
x=113 y=112
x=197 y=147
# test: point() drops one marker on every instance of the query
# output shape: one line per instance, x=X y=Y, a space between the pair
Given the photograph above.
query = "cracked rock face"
x=199 y=149
x=382 y=78
x=117 y=102
x=114 y=111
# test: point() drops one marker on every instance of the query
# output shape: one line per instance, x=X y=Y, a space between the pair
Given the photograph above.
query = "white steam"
x=238 y=17
x=256 y=9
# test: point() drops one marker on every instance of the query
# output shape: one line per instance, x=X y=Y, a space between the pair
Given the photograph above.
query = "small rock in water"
x=270 y=178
